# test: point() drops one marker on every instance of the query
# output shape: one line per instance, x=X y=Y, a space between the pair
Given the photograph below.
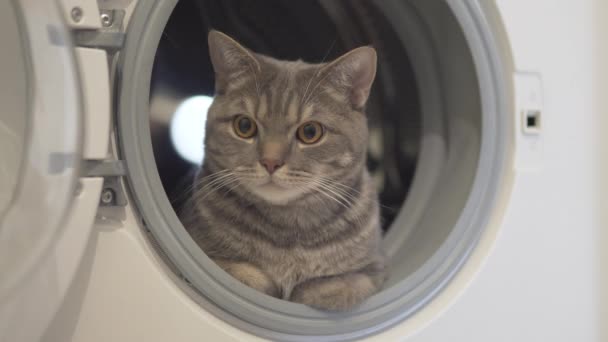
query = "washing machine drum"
x=438 y=129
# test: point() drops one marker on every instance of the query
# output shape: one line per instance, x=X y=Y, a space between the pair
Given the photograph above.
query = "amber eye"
x=310 y=132
x=244 y=126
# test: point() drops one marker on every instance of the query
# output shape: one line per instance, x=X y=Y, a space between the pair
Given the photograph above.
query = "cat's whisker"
x=340 y=184
x=306 y=90
x=304 y=98
x=193 y=187
x=204 y=194
x=337 y=194
x=343 y=189
x=211 y=177
x=183 y=194
x=214 y=182
x=317 y=72
x=219 y=186
x=324 y=190
x=198 y=183
x=329 y=50
x=359 y=193
x=255 y=77
x=349 y=195
x=351 y=199
x=321 y=184
x=216 y=173
x=312 y=92
x=238 y=183
x=214 y=176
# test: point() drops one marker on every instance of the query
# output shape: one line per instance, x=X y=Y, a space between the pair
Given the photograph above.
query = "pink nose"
x=271 y=164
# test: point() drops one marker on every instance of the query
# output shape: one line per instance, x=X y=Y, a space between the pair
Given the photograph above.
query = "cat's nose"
x=271 y=164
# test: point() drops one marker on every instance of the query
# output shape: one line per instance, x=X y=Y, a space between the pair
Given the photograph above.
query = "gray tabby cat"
x=283 y=201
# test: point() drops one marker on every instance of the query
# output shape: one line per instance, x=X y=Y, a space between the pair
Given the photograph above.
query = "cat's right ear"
x=230 y=60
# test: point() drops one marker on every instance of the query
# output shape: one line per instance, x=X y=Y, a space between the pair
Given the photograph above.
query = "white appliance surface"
x=536 y=274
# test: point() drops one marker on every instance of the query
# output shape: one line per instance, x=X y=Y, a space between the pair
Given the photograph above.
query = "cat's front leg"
x=336 y=293
x=250 y=275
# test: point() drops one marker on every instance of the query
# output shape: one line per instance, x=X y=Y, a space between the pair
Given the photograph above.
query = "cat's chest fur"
x=290 y=264
x=289 y=244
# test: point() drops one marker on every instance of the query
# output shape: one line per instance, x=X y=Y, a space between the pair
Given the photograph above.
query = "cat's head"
x=284 y=129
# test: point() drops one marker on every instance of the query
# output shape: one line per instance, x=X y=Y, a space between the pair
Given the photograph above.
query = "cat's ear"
x=229 y=59
x=355 y=72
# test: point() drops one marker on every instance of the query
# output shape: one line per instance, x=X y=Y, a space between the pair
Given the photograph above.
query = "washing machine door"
x=42 y=146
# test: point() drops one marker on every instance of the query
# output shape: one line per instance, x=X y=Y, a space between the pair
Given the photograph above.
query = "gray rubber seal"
x=264 y=316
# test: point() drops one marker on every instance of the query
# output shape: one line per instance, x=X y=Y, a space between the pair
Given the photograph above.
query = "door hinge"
x=112 y=193
x=110 y=36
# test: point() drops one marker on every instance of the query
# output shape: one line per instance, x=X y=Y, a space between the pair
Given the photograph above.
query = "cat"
x=283 y=201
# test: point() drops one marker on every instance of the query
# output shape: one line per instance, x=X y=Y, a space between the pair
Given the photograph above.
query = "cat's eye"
x=244 y=126
x=310 y=132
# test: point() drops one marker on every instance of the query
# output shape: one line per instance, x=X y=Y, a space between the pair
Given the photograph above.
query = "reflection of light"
x=188 y=127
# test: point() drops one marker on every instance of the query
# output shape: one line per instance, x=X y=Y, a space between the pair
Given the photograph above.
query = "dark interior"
x=313 y=31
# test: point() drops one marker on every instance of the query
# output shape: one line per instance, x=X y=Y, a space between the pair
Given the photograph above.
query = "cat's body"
x=283 y=201
x=291 y=244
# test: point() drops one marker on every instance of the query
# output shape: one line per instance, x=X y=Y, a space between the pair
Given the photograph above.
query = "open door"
x=47 y=202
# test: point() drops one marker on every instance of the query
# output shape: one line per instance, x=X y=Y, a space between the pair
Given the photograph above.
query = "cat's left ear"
x=355 y=72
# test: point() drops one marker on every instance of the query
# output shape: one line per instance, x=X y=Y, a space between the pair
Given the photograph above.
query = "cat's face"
x=285 y=129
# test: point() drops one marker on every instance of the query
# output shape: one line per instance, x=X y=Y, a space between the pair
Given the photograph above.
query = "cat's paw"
x=339 y=293
x=251 y=276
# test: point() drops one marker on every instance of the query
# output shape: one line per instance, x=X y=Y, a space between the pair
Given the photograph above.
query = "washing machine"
x=487 y=145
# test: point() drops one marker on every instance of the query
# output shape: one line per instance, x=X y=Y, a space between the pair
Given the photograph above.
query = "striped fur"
x=312 y=236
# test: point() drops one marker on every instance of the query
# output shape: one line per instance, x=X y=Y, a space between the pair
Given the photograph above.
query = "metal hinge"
x=112 y=193
x=110 y=36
